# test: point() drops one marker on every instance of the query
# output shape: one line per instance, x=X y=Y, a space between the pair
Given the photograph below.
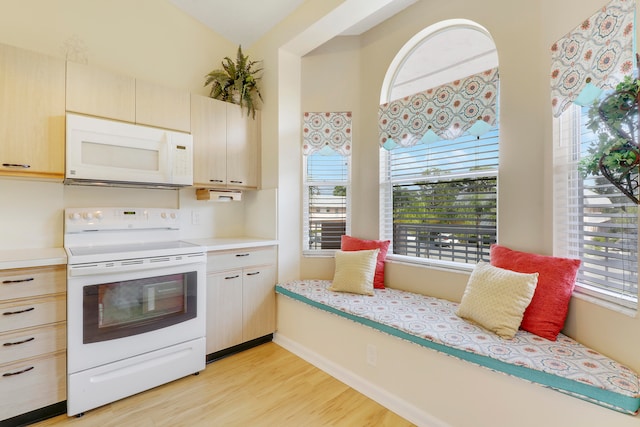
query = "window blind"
x=595 y=222
x=326 y=199
x=440 y=199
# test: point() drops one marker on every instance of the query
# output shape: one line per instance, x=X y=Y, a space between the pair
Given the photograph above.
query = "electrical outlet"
x=372 y=354
x=195 y=218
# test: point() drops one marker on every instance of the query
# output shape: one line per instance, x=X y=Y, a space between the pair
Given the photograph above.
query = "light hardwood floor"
x=263 y=386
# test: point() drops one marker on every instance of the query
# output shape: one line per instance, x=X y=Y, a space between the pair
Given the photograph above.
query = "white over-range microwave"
x=108 y=152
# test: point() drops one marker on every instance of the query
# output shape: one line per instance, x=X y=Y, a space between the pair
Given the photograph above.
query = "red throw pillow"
x=349 y=243
x=547 y=312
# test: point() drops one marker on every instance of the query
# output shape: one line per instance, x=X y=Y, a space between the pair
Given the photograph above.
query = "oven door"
x=117 y=315
x=135 y=306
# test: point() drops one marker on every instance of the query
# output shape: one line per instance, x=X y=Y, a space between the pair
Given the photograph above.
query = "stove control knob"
x=173 y=215
x=163 y=215
x=87 y=215
x=98 y=215
x=74 y=216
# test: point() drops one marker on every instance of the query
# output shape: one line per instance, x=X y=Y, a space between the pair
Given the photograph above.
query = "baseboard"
x=36 y=415
x=372 y=391
x=212 y=357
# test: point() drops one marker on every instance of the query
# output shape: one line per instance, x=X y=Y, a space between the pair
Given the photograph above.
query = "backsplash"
x=32 y=211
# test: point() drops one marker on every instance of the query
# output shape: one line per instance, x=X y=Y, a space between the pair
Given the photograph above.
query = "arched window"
x=439 y=146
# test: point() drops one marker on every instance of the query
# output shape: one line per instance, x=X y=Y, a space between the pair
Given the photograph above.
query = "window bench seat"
x=564 y=365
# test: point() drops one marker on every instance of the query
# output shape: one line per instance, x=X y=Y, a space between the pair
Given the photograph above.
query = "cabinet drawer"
x=32 y=384
x=28 y=282
x=226 y=260
x=32 y=342
x=35 y=312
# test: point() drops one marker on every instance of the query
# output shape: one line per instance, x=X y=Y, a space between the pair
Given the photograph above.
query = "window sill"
x=628 y=307
x=326 y=253
x=457 y=267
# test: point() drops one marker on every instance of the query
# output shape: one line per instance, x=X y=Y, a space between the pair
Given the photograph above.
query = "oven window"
x=131 y=307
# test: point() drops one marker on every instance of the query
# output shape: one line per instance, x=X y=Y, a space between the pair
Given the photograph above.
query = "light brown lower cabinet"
x=240 y=296
x=32 y=339
x=33 y=383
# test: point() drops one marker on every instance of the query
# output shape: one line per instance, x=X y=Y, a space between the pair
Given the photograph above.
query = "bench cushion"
x=564 y=365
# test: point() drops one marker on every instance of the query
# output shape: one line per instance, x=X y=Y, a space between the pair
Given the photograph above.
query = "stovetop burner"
x=130 y=247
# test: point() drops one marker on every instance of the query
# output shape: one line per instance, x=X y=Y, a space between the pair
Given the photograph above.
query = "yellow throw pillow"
x=496 y=298
x=354 y=271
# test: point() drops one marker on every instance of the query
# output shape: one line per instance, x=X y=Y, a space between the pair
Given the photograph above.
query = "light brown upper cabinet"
x=243 y=137
x=226 y=145
x=162 y=107
x=102 y=93
x=31 y=114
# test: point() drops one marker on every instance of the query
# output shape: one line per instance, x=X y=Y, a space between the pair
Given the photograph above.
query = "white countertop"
x=220 y=244
x=39 y=257
x=23 y=258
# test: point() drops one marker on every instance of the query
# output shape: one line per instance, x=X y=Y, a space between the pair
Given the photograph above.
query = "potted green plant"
x=237 y=82
x=615 y=154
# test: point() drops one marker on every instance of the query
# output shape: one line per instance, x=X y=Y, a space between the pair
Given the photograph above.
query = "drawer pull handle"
x=8 y=344
x=28 y=279
x=253 y=274
x=239 y=255
x=216 y=180
x=235 y=181
x=9 y=313
x=232 y=277
x=10 y=374
x=16 y=165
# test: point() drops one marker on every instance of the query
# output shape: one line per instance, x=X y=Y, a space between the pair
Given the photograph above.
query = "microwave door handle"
x=168 y=148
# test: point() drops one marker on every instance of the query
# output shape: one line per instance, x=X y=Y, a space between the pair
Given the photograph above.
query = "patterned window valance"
x=594 y=56
x=444 y=112
x=327 y=133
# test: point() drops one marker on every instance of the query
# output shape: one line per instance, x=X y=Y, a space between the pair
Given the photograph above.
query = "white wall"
x=148 y=39
x=523 y=32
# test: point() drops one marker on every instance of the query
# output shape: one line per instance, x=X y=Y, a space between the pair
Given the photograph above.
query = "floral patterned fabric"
x=564 y=365
x=326 y=131
x=598 y=52
x=444 y=112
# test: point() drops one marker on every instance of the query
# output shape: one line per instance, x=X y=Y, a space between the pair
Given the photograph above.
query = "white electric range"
x=135 y=303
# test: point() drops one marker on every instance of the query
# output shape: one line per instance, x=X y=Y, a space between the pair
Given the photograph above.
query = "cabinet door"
x=32 y=384
x=31 y=114
x=162 y=107
x=243 y=138
x=101 y=93
x=31 y=312
x=31 y=342
x=224 y=310
x=209 y=131
x=32 y=282
x=259 y=302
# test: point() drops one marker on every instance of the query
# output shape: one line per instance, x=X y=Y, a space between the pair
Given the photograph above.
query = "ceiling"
x=450 y=54
x=257 y=17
